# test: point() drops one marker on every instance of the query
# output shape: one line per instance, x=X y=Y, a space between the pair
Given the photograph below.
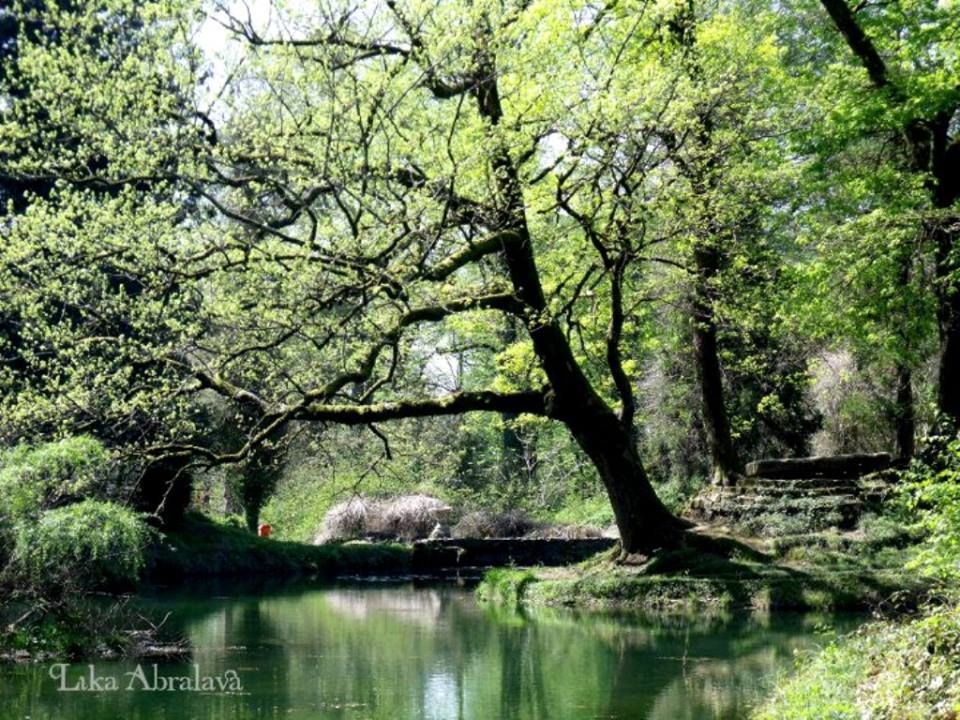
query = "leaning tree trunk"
x=608 y=438
x=716 y=424
x=645 y=524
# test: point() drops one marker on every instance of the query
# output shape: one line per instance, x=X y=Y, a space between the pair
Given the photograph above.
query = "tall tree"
x=374 y=174
x=909 y=55
x=702 y=167
x=730 y=172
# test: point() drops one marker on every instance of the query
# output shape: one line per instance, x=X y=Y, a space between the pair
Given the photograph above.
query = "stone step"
x=835 y=466
x=794 y=491
x=750 y=509
x=817 y=491
x=799 y=483
x=744 y=503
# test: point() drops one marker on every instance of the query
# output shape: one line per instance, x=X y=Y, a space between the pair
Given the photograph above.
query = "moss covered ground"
x=831 y=571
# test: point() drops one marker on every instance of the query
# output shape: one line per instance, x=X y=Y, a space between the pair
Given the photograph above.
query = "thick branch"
x=434 y=313
x=492 y=243
x=530 y=402
x=857 y=40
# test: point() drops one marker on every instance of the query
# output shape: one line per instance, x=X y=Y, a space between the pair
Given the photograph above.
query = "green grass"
x=504 y=587
x=595 y=511
x=202 y=547
x=906 y=670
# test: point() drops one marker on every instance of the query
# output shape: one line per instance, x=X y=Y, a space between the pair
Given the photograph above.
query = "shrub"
x=504 y=587
x=36 y=478
x=409 y=517
x=486 y=524
x=345 y=521
x=931 y=493
x=884 y=671
x=86 y=545
x=406 y=517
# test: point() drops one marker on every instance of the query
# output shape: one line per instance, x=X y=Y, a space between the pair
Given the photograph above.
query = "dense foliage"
x=568 y=258
x=57 y=534
x=907 y=671
x=529 y=254
x=98 y=544
x=932 y=499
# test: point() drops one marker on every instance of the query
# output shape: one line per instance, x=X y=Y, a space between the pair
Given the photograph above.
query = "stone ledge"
x=838 y=467
x=454 y=553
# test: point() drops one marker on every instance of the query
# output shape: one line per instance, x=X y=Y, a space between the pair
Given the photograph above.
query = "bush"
x=931 y=494
x=884 y=671
x=36 y=478
x=486 y=524
x=344 y=521
x=86 y=545
x=407 y=517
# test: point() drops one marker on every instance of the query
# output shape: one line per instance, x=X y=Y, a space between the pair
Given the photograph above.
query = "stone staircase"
x=797 y=495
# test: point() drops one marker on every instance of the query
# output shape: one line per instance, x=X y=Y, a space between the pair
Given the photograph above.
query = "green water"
x=399 y=652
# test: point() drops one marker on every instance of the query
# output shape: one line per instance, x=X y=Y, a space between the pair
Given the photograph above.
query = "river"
x=404 y=651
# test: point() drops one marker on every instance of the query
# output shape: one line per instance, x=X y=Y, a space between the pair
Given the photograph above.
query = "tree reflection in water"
x=405 y=652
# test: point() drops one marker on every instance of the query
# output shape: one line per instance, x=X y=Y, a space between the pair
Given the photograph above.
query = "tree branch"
x=614 y=335
x=492 y=243
x=529 y=402
x=858 y=42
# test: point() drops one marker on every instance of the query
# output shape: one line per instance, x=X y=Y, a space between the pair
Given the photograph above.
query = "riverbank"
x=55 y=624
x=907 y=668
x=201 y=547
x=718 y=573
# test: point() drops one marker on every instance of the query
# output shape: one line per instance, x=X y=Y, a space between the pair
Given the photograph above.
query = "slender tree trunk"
x=724 y=465
x=948 y=316
x=934 y=151
x=251 y=513
x=716 y=424
x=906 y=419
x=949 y=392
x=232 y=504
x=511 y=446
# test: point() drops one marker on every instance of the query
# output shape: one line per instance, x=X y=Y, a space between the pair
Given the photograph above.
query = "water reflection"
x=404 y=652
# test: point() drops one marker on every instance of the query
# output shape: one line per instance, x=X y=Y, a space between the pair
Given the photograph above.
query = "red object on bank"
x=264 y=530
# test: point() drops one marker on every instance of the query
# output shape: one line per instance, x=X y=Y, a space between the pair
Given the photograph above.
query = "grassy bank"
x=907 y=669
x=202 y=547
x=715 y=573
